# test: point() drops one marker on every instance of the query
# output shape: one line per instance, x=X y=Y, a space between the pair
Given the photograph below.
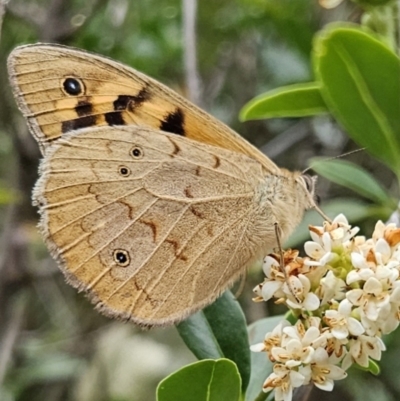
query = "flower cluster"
x=345 y=294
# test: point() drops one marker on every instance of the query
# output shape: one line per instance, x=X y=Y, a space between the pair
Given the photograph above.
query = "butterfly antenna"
x=332 y=158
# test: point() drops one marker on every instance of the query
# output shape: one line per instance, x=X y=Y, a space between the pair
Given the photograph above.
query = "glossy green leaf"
x=208 y=380
x=359 y=77
x=228 y=322
x=351 y=176
x=219 y=331
x=298 y=100
x=199 y=337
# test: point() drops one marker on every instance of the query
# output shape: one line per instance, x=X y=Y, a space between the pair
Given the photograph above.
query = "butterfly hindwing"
x=152 y=225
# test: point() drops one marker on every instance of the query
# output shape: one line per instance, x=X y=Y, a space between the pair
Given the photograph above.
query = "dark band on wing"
x=84 y=108
x=78 y=123
x=174 y=122
x=128 y=102
x=114 y=118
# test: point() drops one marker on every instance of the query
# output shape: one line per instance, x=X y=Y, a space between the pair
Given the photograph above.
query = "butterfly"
x=149 y=204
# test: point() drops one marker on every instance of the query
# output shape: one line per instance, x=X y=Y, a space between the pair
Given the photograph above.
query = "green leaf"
x=208 y=380
x=261 y=366
x=228 y=322
x=199 y=337
x=360 y=83
x=219 y=331
x=351 y=176
x=298 y=100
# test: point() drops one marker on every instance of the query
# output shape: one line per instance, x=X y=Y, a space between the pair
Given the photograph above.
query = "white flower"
x=390 y=232
x=283 y=380
x=348 y=231
x=333 y=234
x=374 y=260
x=389 y=316
x=333 y=288
x=319 y=251
x=310 y=337
x=372 y=298
x=382 y=251
x=304 y=298
x=272 y=339
x=363 y=348
x=273 y=282
x=380 y=229
x=293 y=354
x=351 y=283
x=341 y=322
x=323 y=371
x=391 y=322
x=362 y=270
x=336 y=348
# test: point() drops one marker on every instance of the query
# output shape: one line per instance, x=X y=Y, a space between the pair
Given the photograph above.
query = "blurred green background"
x=53 y=345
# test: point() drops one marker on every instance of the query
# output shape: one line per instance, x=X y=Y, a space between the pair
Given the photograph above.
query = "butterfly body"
x=149 y=204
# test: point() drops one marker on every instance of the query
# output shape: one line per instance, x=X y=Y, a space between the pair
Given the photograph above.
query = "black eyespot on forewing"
x=174 y=122
x=73 y=86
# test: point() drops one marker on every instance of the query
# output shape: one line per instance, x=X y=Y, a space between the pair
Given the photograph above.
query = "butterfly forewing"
x=61 y=89
x=152 y=225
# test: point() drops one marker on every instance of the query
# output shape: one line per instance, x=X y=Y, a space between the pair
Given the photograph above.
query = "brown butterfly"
x=149 y=204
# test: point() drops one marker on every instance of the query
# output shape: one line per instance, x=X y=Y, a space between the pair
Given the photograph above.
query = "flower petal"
x=311 y=302
x=355 y=327
x=260 y=347
x=269 y=288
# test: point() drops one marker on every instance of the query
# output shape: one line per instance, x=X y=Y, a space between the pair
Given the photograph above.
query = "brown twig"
x=190 y=51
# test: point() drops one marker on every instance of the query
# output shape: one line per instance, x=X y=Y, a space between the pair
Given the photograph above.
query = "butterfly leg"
x=282 y=260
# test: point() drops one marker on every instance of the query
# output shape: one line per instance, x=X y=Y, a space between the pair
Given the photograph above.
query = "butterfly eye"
x=121 y=257
x=124 y=171
x=137 y=152
x=73 y=86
